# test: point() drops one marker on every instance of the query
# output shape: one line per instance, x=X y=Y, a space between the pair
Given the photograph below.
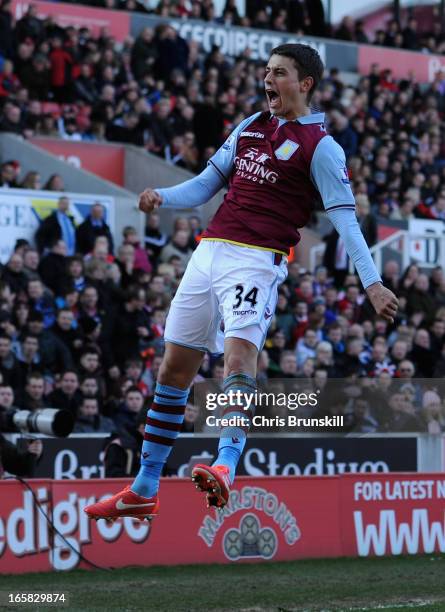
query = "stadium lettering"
x=259 y=499
x=434 y=66
x=234 y=41
x=27 y=532
x=421 y=535
x=258 y=463
x=66 y=466
x=15 y=215
x=396 y=490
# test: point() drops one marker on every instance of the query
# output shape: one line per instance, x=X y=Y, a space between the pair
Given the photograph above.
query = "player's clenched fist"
x=384 y=301
x=149 y=200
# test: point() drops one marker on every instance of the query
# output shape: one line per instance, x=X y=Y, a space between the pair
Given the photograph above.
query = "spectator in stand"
x=31 y=181
x=8 y=175
x=93 y=226
x=59 y=225
x=144 y=54
x=9 y=82
x=54 y=356
x=41 y=300
x=179 y=247
x=85 y=88
x=344 y=134
x=128 y=411
x=61 y=62
x=90 y=387
x=11 y=119
x=52 y=267
x=75 y=274
x=132 y=326
x=306 y=346
x=402 y=417
x=6 y=29
x=191 y=415
x=67 y=395
x=33 y=396
x=10 y=370
x=54 y=183
x=141 y=262
x=64 y=330
x=155 y=239
x=420 y=300
x=125 y=261
x=6 y=397
x=13 y=274
x=367 y=221
x=89 y=420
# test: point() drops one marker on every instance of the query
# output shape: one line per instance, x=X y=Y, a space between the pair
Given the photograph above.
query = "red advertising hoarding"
x=280 y=518
x=392 y=514
x=116 y=22
x=423 y=66
x=104 y=160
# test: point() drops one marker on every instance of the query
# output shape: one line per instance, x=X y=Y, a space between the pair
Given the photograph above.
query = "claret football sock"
x=164 y=420
x=242 y=408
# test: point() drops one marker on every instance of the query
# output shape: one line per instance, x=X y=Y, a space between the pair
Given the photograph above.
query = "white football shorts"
x=227 y=291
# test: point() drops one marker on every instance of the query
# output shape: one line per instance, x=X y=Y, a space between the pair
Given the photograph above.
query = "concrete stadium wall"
x=75 y=180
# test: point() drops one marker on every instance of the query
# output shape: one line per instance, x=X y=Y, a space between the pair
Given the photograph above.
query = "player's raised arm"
x=195 y=192
x=201 y=188
x=330 y=175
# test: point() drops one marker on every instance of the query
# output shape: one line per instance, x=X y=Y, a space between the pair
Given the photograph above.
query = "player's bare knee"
x=236 y=363
x=171 y=375
x=179 y=366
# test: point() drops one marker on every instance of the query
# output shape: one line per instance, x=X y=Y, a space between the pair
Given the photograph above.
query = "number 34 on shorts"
x=229 y=283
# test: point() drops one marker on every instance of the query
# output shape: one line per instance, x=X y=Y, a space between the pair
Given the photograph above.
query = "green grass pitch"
x=402 y=583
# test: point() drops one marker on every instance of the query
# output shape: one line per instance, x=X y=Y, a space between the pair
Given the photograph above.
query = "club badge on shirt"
x=286 y=150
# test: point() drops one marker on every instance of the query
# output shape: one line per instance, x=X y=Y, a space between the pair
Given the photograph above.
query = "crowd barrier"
x=280 y=518
x=82 y=455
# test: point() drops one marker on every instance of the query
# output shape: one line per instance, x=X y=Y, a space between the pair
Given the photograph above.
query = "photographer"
x=19 y=462
x=122 y=450
x=13 y=460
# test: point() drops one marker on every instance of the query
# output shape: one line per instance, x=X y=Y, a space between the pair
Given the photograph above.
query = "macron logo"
x=252 y=134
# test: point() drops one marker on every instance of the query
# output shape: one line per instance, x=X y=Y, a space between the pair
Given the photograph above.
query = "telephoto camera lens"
x=47 y=421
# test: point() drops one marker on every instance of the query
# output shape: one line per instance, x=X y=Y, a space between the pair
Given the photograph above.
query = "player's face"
x=286 y=93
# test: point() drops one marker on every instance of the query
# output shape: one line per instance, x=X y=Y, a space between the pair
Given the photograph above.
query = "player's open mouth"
x=273 y=98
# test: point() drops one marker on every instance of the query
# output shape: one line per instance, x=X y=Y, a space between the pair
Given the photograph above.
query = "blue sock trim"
x=232 y=438
x=146 y=482
x=236 y=380
x=167 y=390
x=160 y=431
x=168 y=418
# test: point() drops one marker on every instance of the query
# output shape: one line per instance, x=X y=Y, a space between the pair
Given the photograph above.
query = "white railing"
x=316 y=255
x=426 y=249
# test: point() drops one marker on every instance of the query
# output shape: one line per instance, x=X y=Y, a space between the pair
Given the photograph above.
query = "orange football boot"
x=124 y=503
x=213 y=480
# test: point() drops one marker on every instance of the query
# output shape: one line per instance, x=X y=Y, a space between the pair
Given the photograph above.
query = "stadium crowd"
x=160 y=92
x=81 y=321
x=423 y=32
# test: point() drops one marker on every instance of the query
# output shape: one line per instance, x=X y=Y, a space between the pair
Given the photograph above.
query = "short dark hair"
x=34 y=374
x=85 y=398
x=307 y=61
